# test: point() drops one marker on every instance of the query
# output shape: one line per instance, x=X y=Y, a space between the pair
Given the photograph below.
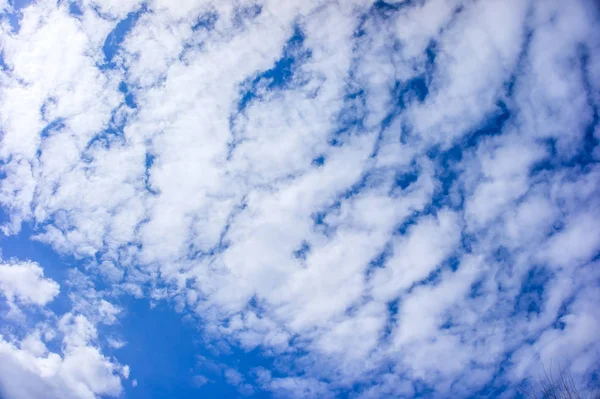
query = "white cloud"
x=25 y=282
x=417 y=254
x=198 y=380
x=477 y=53
x=115 y=343
x=314 y=208
x=28 y=368
x=296 y=387
x=505 y=169
x=233 y=377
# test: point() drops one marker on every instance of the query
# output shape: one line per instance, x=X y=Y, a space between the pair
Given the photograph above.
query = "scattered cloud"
x=387 y=199
x=30 y=366
x=25 y=282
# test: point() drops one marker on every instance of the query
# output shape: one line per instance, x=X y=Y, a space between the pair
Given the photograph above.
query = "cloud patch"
x=383 y=198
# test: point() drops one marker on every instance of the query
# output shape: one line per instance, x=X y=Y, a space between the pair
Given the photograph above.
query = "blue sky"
x=300 y=199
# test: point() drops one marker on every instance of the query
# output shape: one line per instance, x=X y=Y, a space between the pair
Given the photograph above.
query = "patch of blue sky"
x=129 y=96
x=74 y=9
x=403 y=179
x=281 y=75
x=422 y=389
x=585 y=154
x=559 y=322
x=112 y=134
x=413 y=89
x=467 y=241
x=408 y=222
x=392 y=308
x=531 y=295
x=149 y=159
x=52 y=127
x=206 y=21
x=371 y=178
x=351 y=117
x=493 y=125
x=476 y=289
x=3 y=65
x=320 y=223
x=509 y=85
x=115 y=38
x=496 y=387
x=303 y=251
x=49 y=129
x=15 y=14
x=379 y=260
x=319 y=160
x=385 y=8
x=166 y=353
x=434 y=277
x=380 y=9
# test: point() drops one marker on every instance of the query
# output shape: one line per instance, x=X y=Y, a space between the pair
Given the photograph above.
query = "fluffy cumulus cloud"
x=392 y=198
x=43 y=354
x=25 y=282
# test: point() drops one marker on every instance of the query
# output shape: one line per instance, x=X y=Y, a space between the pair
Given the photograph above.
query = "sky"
x=298 y=199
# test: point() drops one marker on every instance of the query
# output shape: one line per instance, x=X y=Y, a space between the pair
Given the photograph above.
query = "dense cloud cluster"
x=393 y=198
